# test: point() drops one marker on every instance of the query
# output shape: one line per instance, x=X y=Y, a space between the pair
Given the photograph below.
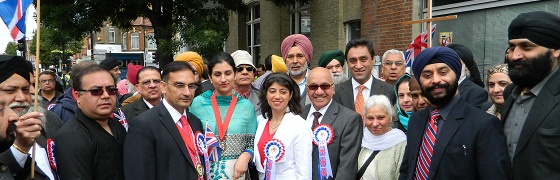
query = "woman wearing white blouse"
x=280 y=121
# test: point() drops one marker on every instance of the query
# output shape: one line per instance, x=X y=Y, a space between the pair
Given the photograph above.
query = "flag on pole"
x=212 y=145
x=12 y=12
x=418 y=44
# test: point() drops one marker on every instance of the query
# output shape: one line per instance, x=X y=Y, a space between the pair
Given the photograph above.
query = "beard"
x=299 y=72
x=532 y=71
x=450 y=90
x=338 y=78
x=25 y=105
x=9 y=137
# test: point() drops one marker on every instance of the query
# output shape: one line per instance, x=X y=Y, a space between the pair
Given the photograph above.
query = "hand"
x=28 y=128
x=240 y=167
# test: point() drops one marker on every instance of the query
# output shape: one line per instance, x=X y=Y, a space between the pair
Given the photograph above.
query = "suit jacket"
x=304 y=99
x=344 y=149
x=19 y=172
x=537 y=155
x=154 y=148
x=472 y=93
x=297 y=140
x=134 y=109
x=254 y=98
x=470 y=145
x=344 y=93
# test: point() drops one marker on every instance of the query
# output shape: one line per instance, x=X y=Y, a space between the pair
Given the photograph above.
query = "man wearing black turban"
x=532 y=107
x=451 y=139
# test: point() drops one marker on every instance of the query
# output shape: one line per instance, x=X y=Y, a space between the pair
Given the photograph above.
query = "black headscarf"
x=467 y=56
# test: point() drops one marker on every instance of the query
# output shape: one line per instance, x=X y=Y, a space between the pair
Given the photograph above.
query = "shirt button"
x=521 y=105
x=515 y=124
x=3 y=169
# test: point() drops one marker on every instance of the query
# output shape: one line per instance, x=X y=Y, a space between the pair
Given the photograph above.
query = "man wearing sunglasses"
x=16 y=88
x=346 y=124
x=90 y=145
x=149 y=80
x=245 y=73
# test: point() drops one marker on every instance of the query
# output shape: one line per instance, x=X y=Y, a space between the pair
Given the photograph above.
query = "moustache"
x=432 y=87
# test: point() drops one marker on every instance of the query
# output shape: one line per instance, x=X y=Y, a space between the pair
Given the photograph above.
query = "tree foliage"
x=11 y=49
x=53 y=44
x=168 y=17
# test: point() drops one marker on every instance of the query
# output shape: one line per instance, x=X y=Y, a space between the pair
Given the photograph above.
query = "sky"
x=5 y=36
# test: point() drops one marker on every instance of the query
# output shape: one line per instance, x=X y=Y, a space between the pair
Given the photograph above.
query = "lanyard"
x=222 y=127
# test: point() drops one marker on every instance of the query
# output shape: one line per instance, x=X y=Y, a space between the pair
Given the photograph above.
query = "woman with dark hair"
x=404 y=106
x=282 y=142
x=231 y=117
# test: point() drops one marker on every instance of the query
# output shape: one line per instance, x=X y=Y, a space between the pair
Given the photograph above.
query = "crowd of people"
x=226 y=118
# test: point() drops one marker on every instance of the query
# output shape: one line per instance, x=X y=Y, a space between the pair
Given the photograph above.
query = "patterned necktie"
x=427 y=148
x=316 y=119
x=359 y=106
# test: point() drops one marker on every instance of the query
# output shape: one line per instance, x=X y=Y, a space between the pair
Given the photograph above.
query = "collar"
x=445 y=110
x=175 y=115
x=304 y=80
x=537 y=88
x=150 y=106
x=244 y=94
x=355 y=83
x=322 y=110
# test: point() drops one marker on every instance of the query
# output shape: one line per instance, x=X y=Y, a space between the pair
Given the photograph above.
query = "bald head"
x=320 y=87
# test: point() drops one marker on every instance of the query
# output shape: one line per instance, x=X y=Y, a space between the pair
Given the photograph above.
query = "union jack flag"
x=122 y=119
x=212 y=145
x=418 y=44
x=12 y=13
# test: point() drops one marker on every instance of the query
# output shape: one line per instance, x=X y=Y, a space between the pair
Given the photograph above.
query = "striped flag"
x=418 y=44
x=212 y=144
x=12 y=13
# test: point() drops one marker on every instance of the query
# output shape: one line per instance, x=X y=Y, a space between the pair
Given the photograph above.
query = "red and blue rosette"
x=50 y=156
x=323 y=135
x=274 y=150
x=203 y=151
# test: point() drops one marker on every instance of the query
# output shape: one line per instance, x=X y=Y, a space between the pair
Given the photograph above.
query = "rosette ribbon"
x=323 y=135
x=203 y=150
x=50 y=156
x=273 y=150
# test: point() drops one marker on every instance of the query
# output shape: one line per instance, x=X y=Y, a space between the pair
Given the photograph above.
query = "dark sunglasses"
x=249 y=68
x=99 y=92
x=322 y=86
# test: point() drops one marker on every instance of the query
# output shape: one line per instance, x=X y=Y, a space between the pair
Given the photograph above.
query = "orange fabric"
x=360 y=100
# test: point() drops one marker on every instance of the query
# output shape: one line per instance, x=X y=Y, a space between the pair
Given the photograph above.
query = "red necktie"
x=316 y=119
x=427 y=148
x=191 y=147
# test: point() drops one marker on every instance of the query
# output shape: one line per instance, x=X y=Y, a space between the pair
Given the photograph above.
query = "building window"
x=447 y=7
x=151 y=41
x=124 y=42
x=111 y=35
x=254 y=32
x=134 y=41
x=353 y=30
x=300 y=19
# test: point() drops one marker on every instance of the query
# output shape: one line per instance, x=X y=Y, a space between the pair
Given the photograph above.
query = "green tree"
x=11 y=48
x=168 y=17
x=53 y=44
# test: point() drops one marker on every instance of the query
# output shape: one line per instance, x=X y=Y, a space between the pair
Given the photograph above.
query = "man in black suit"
x=470 y=92
x=346 y=124
x=160 y=141
x=149 y=80
x=532 y=107
x=359 y=55
x=452 y=139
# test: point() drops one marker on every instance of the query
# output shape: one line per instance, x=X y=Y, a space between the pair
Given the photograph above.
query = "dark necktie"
x=316 y=119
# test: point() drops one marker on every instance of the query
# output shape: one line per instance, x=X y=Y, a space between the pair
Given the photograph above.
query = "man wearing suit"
x=452 y=139
x=297 y=51
x=359 y=55
x=244 y=75
x=346 y=124
x=160 y=141
x=532 y=107
x=148 y=87
x=15 y=90
x=470 y=92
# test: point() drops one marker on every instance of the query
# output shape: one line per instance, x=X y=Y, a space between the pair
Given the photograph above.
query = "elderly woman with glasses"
x=231 y=117
x=382 y=146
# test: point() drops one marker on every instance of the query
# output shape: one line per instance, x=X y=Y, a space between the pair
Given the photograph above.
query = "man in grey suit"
x=346 y=124
x=359 y=55
x=532 y=107
x=244 y=75
x=149 y=82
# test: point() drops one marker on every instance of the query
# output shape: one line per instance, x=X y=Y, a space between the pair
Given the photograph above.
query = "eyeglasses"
x=98 y=92
x=397 y=63
x=181 y=86
x=50 y=81
x=248 y=68
x=147 y=82
x=322 y=86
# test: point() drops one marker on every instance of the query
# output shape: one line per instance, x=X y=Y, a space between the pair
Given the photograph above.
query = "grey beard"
x=338 y=78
